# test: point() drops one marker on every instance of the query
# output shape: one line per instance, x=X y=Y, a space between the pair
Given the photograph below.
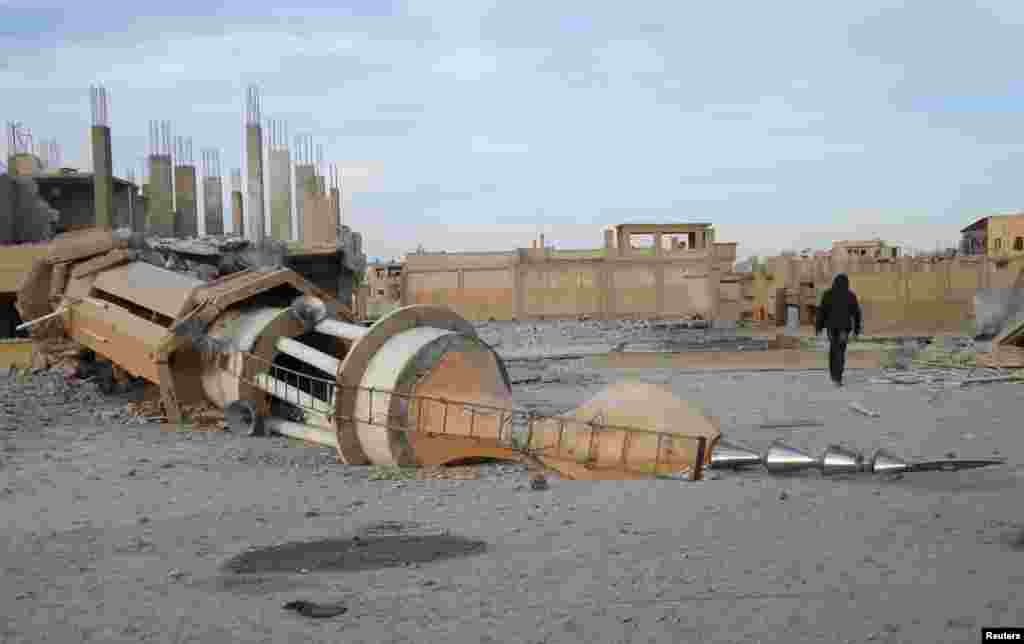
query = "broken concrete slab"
x=998 y=311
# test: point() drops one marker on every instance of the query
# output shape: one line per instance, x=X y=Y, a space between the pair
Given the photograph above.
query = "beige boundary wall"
x=539 y=284
x=920 y=294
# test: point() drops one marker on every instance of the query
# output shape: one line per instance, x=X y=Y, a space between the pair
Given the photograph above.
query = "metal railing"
x=593 y=445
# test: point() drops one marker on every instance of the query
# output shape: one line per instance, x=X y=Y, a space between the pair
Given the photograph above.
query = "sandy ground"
x=118 y=533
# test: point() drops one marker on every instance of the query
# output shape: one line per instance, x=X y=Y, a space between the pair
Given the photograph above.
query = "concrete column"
x=304 y=174
x=160 y=197
x=312 y=210
x=103 y=176
x=280 y=194
x=336 y=207
x=608 y=294
x=213 y=205
x=609 y=239
x=658 y=250
x=518 y=290
x=7 y=209
x=237 y=212
x=186 y=218
x=659 y=288
x=254 y=172
x=24 y=164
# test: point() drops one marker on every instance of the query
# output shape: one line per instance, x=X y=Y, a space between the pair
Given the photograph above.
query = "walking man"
x=839 y=313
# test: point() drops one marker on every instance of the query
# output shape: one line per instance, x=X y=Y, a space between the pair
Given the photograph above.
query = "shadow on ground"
x=382 y=546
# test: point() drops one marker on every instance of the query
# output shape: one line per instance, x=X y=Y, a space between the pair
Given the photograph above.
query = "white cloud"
x=466 y=64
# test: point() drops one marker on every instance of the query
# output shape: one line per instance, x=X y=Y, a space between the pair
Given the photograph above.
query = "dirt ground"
x=132 y=533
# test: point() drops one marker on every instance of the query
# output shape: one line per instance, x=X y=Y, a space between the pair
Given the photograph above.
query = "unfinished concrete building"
x=213 y=193
x=186 y=211
x=72 y=194
x=644 y=271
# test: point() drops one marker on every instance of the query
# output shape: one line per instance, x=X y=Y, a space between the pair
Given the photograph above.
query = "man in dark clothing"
x=839 y=313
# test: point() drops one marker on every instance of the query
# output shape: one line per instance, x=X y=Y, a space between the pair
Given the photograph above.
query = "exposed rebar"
x=160 y=142
x=253 y=107
x=211 y=163
x=19 y=138
x=100 y=101
x=183 y=151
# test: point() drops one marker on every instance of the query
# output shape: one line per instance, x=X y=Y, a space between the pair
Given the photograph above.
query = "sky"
x=469 y=126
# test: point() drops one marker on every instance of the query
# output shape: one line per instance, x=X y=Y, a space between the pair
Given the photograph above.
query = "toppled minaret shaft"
x=780 y=458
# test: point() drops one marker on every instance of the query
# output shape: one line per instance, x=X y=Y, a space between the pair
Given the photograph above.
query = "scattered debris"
x=202 y=416
x=391 y=473
x=861 y=409
x=780 y=424
x=314 y=609
x=440 y=472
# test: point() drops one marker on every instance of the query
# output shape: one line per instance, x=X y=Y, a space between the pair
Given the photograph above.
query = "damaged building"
x=642 y=271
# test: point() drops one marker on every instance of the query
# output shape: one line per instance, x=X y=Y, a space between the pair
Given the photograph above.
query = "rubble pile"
x=40 y=398
x=202 y=416
x=458 y=473
x=60 y=354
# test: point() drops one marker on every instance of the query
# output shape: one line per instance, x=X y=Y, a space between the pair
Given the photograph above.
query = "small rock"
x=175 y=574
x=960 y=622
x=538 y=483
x=312 y=513
x=783 y=495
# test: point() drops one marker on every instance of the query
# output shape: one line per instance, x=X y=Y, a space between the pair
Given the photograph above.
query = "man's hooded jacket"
x=839 y=308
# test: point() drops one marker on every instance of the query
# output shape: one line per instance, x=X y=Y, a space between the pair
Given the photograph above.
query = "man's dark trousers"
x=837 y=339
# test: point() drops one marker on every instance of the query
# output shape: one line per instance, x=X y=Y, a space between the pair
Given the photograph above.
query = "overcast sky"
x=476 y=125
